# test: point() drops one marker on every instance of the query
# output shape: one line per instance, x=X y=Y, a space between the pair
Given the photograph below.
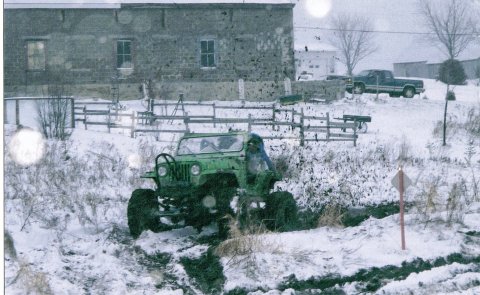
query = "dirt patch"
x=207 y=271
x=372 y=279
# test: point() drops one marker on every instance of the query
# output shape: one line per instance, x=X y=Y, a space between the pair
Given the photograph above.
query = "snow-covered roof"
x=18 y=4
x=315 y=47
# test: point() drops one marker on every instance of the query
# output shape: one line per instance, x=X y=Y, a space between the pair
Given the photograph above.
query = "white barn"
x=318 y=60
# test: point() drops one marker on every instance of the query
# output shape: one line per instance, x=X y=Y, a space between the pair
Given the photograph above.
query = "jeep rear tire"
x=281 y=211
x=142 y=212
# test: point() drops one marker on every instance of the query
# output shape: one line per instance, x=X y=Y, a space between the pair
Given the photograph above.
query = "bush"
x=451 y=72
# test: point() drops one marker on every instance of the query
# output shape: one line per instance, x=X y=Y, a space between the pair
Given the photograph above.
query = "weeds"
x=473 y=122
x=61 y=187
x=331 y=215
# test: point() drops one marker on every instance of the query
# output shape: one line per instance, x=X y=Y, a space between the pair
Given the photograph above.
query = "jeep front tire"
x=142 y=212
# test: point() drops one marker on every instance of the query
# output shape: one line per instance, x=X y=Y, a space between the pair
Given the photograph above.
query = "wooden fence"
x=303 y=128
x=16 y=100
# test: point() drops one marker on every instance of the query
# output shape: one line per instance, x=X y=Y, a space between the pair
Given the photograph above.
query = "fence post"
x=132 y=128
x=328 y=127
x=249 y=123
x=214 y=115
x=186 y=120
x=17 y=112
x=5 y=121
x=273 y=116
x=85 y=116
x=108 y=120
x=302 y=131
x=355 y=133
x=72 y=110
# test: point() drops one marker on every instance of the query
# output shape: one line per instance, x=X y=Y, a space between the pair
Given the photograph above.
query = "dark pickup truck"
x=383 y=81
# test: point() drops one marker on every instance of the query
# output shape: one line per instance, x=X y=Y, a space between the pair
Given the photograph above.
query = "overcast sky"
x=386 y=15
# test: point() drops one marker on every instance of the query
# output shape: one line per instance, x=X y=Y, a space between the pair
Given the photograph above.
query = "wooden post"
x=273 y=116
x=72 y=111
x=186 y=120
x=354 y=133
x=328 y=127
x=402 y=222
x=132 y=128
x=108 y=120
x=302 y=131
x=17 y=112
x=249 y=123
x=5 y=121
x=85 y=116
x=214 y=116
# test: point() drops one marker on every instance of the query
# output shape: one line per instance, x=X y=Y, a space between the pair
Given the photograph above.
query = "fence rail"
x=304 y=128
x=285 y=123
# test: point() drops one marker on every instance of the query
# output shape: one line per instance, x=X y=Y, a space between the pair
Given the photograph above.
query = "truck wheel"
x=141 y=212
x=281 y=211
x=359 y=88
x=408 y=92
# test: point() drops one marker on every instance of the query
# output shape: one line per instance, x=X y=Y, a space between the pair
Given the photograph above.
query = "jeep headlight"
x=195 y=170
x=162 y=171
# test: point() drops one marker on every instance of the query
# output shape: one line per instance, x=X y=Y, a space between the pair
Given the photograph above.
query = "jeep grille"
x=183 y=172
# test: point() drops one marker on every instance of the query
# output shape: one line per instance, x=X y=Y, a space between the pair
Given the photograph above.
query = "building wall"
x=424 y=70
x=253 y=42
x=411 y=69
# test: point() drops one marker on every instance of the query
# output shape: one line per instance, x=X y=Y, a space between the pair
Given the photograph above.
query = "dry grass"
x=331 y=216
x=244 y=242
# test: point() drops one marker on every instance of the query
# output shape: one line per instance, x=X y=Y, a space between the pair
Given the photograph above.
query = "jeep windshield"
x=210 y=144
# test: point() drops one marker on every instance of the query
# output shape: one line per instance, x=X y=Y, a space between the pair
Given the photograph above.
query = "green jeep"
x=211 y=176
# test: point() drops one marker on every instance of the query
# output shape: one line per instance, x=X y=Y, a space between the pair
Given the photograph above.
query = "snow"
x=77 y=241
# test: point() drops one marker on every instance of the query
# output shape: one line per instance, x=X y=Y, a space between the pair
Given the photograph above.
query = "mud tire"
x=141 y=212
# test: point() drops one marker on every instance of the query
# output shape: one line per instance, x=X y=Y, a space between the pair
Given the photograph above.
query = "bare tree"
x=54 y=111
x=453 y=23
x=353 y=36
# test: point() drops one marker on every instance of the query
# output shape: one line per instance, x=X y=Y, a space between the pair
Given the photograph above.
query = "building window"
x=124 y=54
x=207 y=53
x=36 y=58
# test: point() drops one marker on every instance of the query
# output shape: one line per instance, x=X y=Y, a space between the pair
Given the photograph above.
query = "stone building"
x=204 y=49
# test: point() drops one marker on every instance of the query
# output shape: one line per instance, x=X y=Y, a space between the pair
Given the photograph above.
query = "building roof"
x=18 y=4
x=431 y=54
x=318 y=46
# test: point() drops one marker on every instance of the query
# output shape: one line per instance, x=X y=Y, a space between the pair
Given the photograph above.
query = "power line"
x=380 y=32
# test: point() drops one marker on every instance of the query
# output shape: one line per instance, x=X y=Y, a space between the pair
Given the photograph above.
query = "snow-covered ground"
x=65 y=215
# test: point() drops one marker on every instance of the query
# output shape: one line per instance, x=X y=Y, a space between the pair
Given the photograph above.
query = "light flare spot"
x=134 y=161
x=318 y=8
x=27 y=147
